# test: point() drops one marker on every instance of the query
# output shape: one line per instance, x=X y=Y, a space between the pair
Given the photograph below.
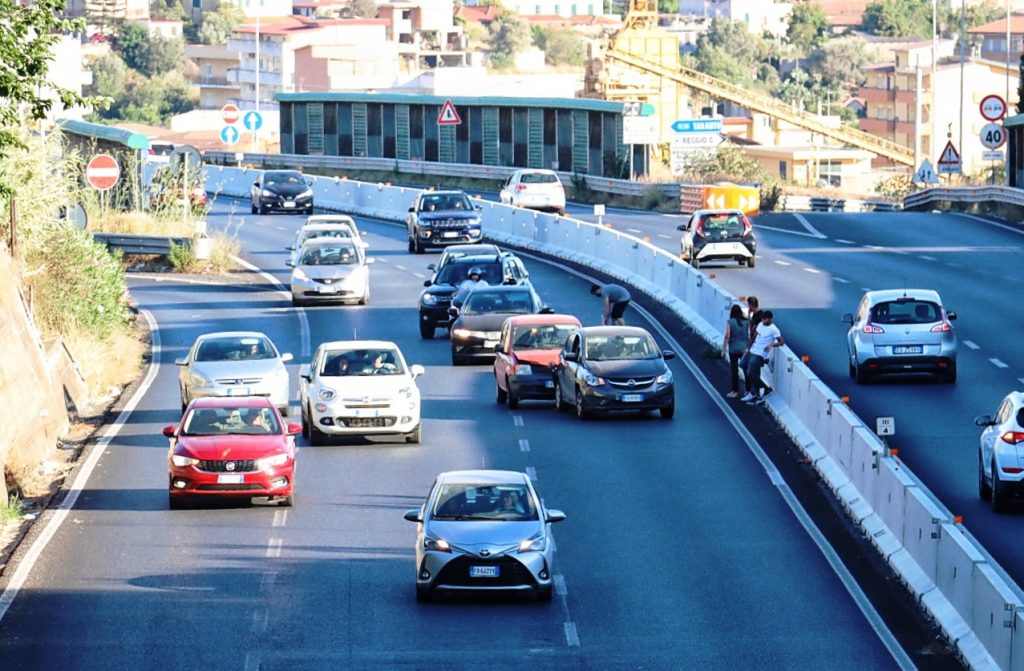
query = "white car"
x=1001 y=453
x=359 y=388
x=331 y=269
x=535 y=189
x=234 y=363
x=324 y=229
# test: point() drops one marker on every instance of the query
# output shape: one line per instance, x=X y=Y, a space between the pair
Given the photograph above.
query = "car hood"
x=366 y=388
x=440 y=289
x=328 y=272
x=627 y=367
x=477 y=534
x=488 y=322
x=538 y=357
x=216 y=370
x=249 y=446
x=445 y=215
x=286 y=189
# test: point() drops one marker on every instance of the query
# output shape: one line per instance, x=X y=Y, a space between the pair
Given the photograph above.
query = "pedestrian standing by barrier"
x=616 y=299
x=753 y=315
x=734 y=345
x=768 y=337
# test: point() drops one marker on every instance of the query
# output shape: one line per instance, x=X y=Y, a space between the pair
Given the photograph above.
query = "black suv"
x=436 y=298
x=441 y=218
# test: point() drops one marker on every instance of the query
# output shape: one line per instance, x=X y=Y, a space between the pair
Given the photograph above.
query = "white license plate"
x=632 y=398
x=289 y=203
x=326 y=290
x=490 y=344
x=483 y=571
x=367 y=413
x=230 y=479
x=451 y=234
x=549 y=384
x=237 y=391
x=907 y=349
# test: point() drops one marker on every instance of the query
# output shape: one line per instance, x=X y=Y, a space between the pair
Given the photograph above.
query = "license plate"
x=483 y=571
x=907 y=349
x=327 y=290
x=237 y=391
x=490 y=344
x=230 y=479
x=451 y=234
x=367 y=413
x=632 y=398
x=289 y=203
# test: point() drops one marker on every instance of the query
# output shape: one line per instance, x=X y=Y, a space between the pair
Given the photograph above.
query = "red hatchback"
x=231 y=447
x=528 y=347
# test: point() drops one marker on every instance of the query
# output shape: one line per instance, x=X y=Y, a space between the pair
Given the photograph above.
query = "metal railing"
x=139 y=244
x=965 y=194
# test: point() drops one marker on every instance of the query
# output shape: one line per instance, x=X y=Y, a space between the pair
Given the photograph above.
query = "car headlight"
x=405 y=392
x=267 y=194
x=270 y=462
x=428 y=299
x=181 y=461
x=300 y=275
x=422 y=223
x=438 y=544
x=462 y=333
x=307 y=192
x=198 y=379
x=326 y=394
x=665 y=378
x=593 y=380
x=535 y=543
x=524 y=369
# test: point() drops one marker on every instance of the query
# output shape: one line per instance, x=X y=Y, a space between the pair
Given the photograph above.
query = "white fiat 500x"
x=359 y=388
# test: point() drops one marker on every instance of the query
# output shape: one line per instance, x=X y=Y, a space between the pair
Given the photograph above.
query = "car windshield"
x=482 y=302
x=234 y=349
x=608 y=348
x=345 y=363
x=282 y=178
x=730 y=223
x=325 y=233
x=906 y=311
x=546 y=336
x=444 y=202
x=538 y=178
x=479 y=502
x=232 y=420
x=329 y=255
x=454 y=273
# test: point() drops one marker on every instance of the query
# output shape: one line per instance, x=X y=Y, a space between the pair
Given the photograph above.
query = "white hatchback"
x=359 y=388
x=320 y=226
x=1001 y=453
x=534 y=189
x=331 y=269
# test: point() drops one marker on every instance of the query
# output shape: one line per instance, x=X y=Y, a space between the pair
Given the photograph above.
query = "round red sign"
x=993 y=108
x=230 y=114
x=102 y=172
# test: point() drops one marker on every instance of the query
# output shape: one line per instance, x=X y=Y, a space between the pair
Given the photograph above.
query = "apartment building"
x=215 y=63
x=251 y=8
x=761 y=16
x=993 y=38
x=566 y=8
x=425 y=33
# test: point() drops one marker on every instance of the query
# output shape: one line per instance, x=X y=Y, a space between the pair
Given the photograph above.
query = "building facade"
x=215 y=63
x=566 y=8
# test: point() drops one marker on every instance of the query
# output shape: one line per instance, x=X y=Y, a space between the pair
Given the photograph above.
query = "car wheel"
x=176 y=502
x=560 y=404
x=561 y=211
x=860 y=374
x=417 y=247
x=510 y=397
x=544 y=593
x=853 y=371
x=423 y=594
x=751 y=262
x=984 y=488
x=262 y=209
x=426 y=330
x=668 y=411
x=500 y=395
x=305 y=423
x=287 y=501
x=949 y=377
x=456 y=359
x=412 y=246
x=365 y=300
x=316 y=436
x=309 y=210
x=414 y=436
x=581 y=409
x=694 y=261
x=1000 y=499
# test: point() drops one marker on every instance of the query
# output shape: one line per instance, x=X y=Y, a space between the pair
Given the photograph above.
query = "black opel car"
x=283 y=190
x=436 y=298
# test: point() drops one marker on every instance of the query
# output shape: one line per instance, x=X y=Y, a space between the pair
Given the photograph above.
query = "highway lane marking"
x=782 y=263
x=181 y=280
x=666 y=236
x=925 y=257
x=382 y=260
x=866 y=289
x=274 y=548
x=812 y=270
x=517 y=420
x=1020 y=379
x=858 y=596
x=786 y=230
x=560 y=588
x=997 y=363
x=400 y=267
x=531 y=473
x=845 y=242
x=810 y=229
x=281 y=228
x=841 y=280
x=287 y=294
x=252 y=661
x=260 y=620
x=972 y=345
x=267 y=582
x=420 y=276
x=991 y=223
x=280 y=518
x=634 y=230
x=572 y=637
x=524 y=445
x=62 y=511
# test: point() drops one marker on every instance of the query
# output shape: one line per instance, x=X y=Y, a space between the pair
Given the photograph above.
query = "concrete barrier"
x=954 y=578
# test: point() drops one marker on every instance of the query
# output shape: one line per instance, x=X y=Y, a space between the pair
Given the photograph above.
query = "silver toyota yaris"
x=483 y=531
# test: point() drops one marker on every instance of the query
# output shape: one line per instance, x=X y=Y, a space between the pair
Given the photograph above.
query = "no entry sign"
x=102 y=172
x=230 y=114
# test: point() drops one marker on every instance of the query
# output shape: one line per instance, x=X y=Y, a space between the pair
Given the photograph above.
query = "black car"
x=283 y=190
x=605 y=368
x=476 y=328
x=442 y=218
x=436 y=298
x=718 y=235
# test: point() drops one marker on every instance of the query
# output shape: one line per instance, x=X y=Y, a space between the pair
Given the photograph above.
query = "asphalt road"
x=680 y=550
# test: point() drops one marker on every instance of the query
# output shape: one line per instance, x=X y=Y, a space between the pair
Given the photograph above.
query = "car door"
x=991 y=433
x=568 y=370
x=686 y=239
x=306 y=387
x=504 y=359
x=505 y=195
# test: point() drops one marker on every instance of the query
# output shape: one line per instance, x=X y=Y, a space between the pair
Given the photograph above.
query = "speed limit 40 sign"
x=993 y=135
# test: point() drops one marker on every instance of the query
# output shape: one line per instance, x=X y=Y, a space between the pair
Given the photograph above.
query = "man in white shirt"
x=766 y=337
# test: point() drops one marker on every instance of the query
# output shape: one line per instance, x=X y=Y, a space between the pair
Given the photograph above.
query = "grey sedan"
x=234 y=363
x=484 y=531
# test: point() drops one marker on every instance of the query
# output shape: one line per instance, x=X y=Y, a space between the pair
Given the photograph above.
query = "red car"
x=231 y=447
x=528 y=346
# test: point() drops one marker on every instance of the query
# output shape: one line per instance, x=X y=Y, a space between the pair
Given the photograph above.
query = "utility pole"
x=14 y=227
x=935 y=54
x=963 y=45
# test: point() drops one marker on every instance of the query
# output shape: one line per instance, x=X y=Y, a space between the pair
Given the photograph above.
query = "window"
x=782 y=170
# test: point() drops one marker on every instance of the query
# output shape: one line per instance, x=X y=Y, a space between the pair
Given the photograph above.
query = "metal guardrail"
x=139 y=244
x=965 y=194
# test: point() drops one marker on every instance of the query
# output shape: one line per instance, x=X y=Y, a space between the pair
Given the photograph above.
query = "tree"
x=27 y=35
x=840 y=62
x=168 y=9
x=728 y=50
x=560 y=47
x=132 y=40
x=109 y=76
x=898 y=18
x=668 y=6
x=808 y=26
x=163 y=54
x=510 y=35
x=218 y=25
x=365 y=9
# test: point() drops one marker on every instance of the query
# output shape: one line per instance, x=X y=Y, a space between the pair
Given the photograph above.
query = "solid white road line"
x=810 y=229
x=845 y=242
x=972 y=345
x=998 y=364
x=64 y=509
x=524 y=445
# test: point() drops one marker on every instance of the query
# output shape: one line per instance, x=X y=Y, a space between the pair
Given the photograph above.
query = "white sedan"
x=331 y=269
x=359 y=388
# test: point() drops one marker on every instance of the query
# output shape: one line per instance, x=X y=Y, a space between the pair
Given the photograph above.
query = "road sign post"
x=252 y=121
x=230 y=114
x=448 y=116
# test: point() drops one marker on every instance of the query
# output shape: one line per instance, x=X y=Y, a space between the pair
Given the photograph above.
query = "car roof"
x=613 y=331
x=883 y=295
x=445 y=192
x=503 y=289
x=233 y=402
x=541 y=171
x=328 y=226
x=358 y=344
x=326 y=242
x=471 y=249
x=718 y=211
x=530 y=320
x=321 y=219
x=483 y=477
x=232 y=334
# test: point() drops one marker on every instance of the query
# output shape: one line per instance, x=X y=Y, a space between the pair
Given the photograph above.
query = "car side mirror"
x=984 y=420
x=431 y=266
x=412 y=209
x=294 y=429
x=681 y=227
x=547 y=310
x=951 y=316
x=453 y=312
x=289 y=263
x=848 y=318
x=370 y=260
x=414 y=515
x=286 y=357
x=478 y=208
x=426 y=283
x=668 y=354
x=181 y=362
x=416 y=370
x=572 y=356
x=305 y=372
x=555 y=516
x=169 y=430
x=256 y=184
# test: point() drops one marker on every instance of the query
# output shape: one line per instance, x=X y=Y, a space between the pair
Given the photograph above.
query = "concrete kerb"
x=950 y=614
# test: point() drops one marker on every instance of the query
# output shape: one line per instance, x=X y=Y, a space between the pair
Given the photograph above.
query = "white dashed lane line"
x=280 y=228
x=572 y=637
x=517 y=420
x=260 y=620
x=274 y=548
x=971 y=344
x=420 y=276
x=926 y=257
x=997 y=363
x=531 y=472
x=841 y=280
x=381 y=259
x=280 y=518
x=252 y=661
x=634 y=230
x=400 y=267
x=524 y=445
x=845 y=242
x=666 y=236
x=812 y=270
x=782 y=263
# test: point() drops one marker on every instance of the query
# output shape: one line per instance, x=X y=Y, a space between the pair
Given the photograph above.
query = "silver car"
x=901 y=331
x=331 y=269
x=234 y=363
x=484 y=531
x=323 y=229
x=1001 y=453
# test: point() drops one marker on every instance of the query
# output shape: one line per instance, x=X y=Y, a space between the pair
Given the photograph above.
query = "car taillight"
x=871 y=328
x=944 y=326
x=1011 y=469
x=521 y=187
x=152 y=152
x=1012 y=437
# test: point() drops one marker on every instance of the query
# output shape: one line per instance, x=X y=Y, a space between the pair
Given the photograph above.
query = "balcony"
x=875 y=95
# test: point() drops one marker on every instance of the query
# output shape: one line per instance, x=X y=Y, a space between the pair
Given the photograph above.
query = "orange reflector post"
x=845 y=399
x=894 y=452
x=805 y=358
x=647 y=238
x=958 y=519
x=712 y=276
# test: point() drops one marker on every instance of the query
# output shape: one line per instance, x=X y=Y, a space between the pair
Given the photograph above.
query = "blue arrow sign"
x=697 y=125
x=229 y=135
x=252 y=121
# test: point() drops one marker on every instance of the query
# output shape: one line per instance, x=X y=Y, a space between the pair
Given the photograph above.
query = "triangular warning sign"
x=448 y=115
x=949 y=156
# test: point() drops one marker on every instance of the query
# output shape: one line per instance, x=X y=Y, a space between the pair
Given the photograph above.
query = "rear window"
x=546 y=336
x=732 y=224
x=906 y=312
x=538 y=178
